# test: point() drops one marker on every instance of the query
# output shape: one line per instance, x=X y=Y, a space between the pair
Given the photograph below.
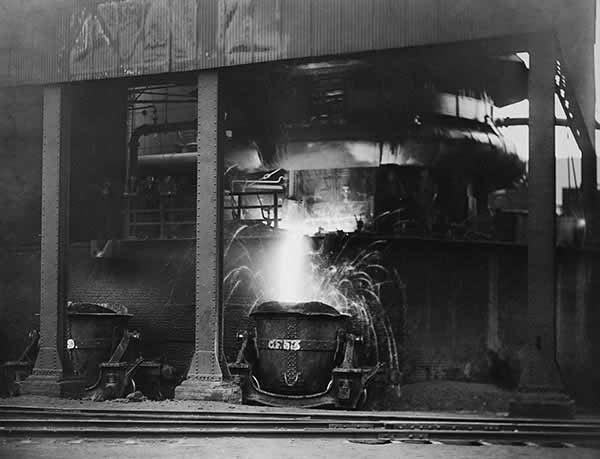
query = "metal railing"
x=164 y=219
x=265 y=204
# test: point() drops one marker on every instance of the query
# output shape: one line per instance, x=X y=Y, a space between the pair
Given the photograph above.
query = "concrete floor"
x=191 y=405
x=267 y=448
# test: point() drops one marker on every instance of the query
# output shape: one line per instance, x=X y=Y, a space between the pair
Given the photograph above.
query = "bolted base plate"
x=52 y=385
x=209 y=390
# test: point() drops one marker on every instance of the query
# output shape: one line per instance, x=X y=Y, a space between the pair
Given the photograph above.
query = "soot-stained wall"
x=446 y=310
x=577 y=319
x=155 y=281
x=440 y=314
x=20 y=201
x=463 y=314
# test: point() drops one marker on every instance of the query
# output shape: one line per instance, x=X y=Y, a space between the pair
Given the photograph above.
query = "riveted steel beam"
x=205 y=378
x=205 y=363
x=48 y=370
x=540 y=388
x=541 y=392
x=542 y=210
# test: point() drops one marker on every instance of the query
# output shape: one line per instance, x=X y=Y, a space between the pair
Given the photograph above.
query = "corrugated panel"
x=154 y=39
x=40 y=35
x=15 y=44
x=98 y=39
x=357 y=23
x=236 y=25
x=5 y=34
x=458 y=22
x=326 y=26
x=465 y=19
x=184 y=26
x=23 y=51
x=393 y=33
x=250 y=31
x=209 y=41
x=57 y=40
x=92 y=51
x=296 y=27
x=268 y=42
x=422 y=22
x=239 y=39
x=120 y=38
x=4 y=62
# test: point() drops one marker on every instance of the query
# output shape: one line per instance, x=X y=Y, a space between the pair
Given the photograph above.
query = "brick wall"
x=446 y=310
x=156 y=283
x=440 y=320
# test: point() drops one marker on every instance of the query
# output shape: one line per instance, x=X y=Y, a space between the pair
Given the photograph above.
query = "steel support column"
x=540 y=387
x=207 y=377
x=47 y=377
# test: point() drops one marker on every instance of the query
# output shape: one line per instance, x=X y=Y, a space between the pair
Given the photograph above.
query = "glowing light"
x=289 y=274
x=325 y=217
x=292 y=272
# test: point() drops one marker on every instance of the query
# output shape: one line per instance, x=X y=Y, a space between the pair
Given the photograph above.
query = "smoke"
x=347 y=154
x=323 y=217
x=327 y=155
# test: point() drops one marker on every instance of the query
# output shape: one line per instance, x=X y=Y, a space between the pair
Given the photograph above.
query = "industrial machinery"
x=300 y=354
x=104 y=354
x=351 y=140
x=161 y=189
x=15 y=371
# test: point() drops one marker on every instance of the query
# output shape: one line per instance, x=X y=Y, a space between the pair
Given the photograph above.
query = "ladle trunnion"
x=300 y=354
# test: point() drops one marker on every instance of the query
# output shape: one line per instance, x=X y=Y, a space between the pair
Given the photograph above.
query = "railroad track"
x=92 y=422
